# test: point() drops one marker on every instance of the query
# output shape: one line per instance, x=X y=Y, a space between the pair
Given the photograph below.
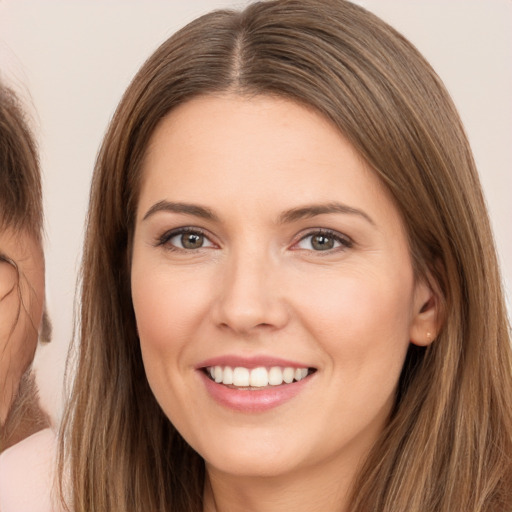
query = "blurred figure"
x=22 y=317
x=26 y=467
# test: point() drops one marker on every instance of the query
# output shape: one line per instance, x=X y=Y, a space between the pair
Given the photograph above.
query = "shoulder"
x=27 y=474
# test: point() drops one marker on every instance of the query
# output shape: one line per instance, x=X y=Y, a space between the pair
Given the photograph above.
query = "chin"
x=251 y=466
x=261 y=456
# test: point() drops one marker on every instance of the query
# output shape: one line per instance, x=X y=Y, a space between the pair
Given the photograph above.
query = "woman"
x=22 y=319
x=290 y=295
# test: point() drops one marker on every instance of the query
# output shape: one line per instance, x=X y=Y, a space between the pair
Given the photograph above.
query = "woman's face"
x=267 y=254
x=21 y=306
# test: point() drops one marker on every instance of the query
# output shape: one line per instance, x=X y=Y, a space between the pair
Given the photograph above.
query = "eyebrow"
x=306 y=212
x=186 y=208
x=289 y=216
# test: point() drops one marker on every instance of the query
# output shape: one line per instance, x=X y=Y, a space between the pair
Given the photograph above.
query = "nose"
x=250 y=296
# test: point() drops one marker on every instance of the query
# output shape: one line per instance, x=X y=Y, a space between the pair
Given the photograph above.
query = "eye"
x=187 y=239
x=324 y=240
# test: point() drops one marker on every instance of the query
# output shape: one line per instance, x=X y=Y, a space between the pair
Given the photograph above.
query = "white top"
x=27 y=475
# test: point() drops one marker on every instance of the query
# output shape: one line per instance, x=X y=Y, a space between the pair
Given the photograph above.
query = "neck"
x=314 y=488
x=25 y=416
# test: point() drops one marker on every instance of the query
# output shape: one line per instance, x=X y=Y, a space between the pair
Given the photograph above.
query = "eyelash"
x=344 y=241
x=163 y=240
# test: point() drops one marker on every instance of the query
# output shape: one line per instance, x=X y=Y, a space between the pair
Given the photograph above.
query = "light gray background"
x=72 y=60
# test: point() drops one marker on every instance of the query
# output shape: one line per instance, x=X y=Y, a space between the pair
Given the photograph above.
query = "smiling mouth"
x=256 y=378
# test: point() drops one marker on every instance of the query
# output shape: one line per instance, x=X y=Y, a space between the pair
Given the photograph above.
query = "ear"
x=426 y=314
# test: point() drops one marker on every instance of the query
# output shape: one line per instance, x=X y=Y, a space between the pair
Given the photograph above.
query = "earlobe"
x=426 y=314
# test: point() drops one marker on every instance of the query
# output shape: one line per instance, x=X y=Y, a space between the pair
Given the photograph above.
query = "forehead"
x=252 y=150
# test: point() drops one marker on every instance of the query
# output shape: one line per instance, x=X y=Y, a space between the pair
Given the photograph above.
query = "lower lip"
x=253 y=401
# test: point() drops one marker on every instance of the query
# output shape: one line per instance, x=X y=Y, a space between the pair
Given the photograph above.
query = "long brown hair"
x=448 y=445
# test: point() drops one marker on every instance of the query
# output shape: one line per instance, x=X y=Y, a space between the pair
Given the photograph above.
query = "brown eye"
x=192 y=240
x=186 y=239
x=322 y=242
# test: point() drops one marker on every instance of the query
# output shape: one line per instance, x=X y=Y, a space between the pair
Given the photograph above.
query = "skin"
x=20 y=321
x=259 y=287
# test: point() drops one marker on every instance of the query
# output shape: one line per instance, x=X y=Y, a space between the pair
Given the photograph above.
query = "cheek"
x=18 y=341
x=360 y=324
x=168 y=311
x=170 y=306
x=167 y=308
x=361 y=320
x=21 y=306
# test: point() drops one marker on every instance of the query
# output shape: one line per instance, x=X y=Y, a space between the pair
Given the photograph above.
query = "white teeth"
x=257 y=377
x=228 y=375
x=275 y=376
x=241 y=377
x=288 y=374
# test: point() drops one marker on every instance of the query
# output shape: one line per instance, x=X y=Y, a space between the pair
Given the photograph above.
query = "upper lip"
x=250 y=362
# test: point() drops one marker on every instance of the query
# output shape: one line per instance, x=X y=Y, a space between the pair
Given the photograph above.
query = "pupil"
x=322 y=242
x=192 y=241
